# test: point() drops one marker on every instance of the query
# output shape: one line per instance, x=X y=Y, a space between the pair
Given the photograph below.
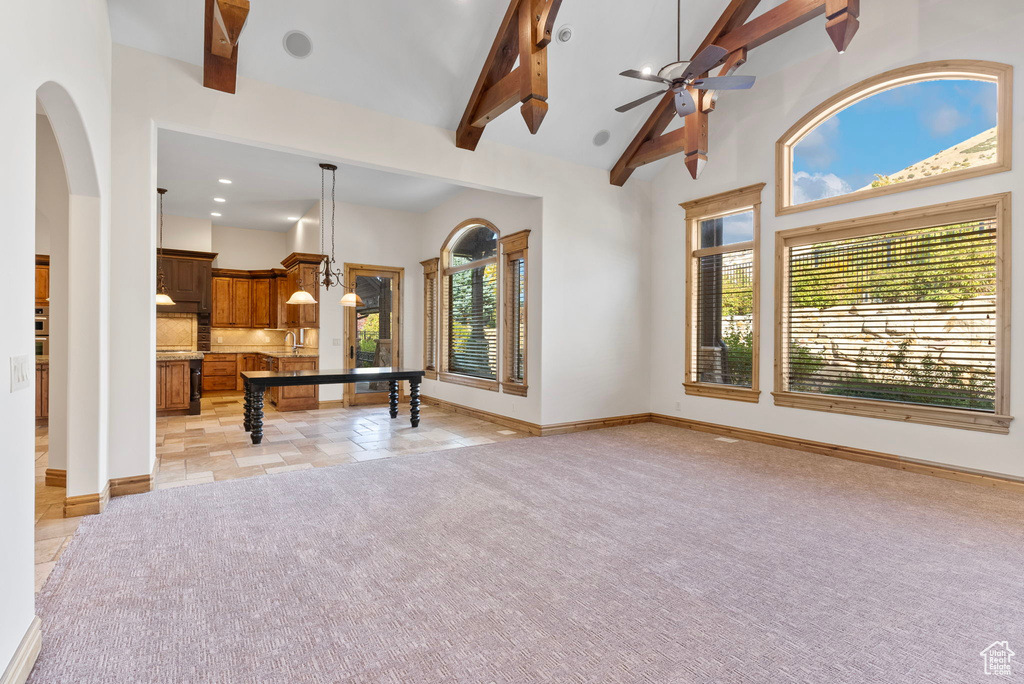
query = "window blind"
x=905 y=316
x=723 y=348
x=473 y=325
x=430 y=321
x=517 y=301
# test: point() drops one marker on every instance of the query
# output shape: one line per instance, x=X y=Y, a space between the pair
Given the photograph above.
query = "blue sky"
x=892 y=130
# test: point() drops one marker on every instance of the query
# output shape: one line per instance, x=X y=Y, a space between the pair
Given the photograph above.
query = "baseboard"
x=514 y=423
x=333 y=404
x=56 y=477
x=878 y=458
x=123 y=486
x=847 y=453
x=24 y=659
x=86 y=504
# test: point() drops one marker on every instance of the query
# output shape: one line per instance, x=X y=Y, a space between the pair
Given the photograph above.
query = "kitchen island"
x=179 y=383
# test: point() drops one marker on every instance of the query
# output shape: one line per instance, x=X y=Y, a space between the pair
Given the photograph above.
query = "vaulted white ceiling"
x=419 y=59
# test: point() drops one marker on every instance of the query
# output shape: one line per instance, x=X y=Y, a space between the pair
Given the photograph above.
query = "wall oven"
x=42 y=320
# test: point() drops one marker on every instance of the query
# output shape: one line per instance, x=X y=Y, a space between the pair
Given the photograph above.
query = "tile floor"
x=213 y=446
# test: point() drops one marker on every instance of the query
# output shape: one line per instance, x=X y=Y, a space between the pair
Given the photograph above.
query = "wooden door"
x=373 y=332
x=241 y=302
x=261 y=306
x=42 y=284
x=220 y=316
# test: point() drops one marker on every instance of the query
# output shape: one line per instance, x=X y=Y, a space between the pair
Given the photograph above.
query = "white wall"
x=509 y=214
x=51 y=187
x=66 y=43
x=594 y=356
x=743 y=133
x=183 y=232
x=247 y=249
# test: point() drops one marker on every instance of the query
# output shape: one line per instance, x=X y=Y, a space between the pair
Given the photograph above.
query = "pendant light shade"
x=301 y=297
x=351 y=299
x=162 y=298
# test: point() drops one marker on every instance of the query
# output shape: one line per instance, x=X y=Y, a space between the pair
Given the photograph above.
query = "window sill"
x=705 y=389
x=513 y=388
x=907 y=413
x=469 y=381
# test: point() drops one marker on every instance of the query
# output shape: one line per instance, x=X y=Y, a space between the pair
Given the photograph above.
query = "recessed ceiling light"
x=219 y=199
x=293 y=218
x=213 y=213
x=225 y=181
x=298 y=44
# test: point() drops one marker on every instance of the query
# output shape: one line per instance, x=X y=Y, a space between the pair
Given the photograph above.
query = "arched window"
x=911 y=127
x=469 y=305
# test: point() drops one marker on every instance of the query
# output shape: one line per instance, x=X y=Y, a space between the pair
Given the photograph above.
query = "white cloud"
x=808 y=187
x=944 y=120
x=816 y=149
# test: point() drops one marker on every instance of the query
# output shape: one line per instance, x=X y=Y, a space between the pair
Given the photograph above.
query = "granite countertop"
x=178 y=355
x=43 y=359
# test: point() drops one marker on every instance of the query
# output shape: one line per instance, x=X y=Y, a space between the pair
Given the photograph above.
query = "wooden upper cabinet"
x=309 y=314
x=220 y=316
x=42 y=284
x=263 y=305
x=241 y=302
x=187 y=277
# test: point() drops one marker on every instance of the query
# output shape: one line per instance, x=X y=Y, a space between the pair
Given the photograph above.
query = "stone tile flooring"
x=194 y=450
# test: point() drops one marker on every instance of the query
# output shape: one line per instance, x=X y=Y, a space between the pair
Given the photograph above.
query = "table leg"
x=247 y=421
x=414 y=402
x=257 y=414
x=393 y=397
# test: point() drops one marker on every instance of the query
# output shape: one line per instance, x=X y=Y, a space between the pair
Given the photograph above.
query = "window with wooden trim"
x=513 y=252
x=911 y=127
x=901 y=316
x=469 y=324
x=430 y=317
x=722 y=294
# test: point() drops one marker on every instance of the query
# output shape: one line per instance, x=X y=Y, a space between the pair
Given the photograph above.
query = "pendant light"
x=162 y=298
x=328 y=272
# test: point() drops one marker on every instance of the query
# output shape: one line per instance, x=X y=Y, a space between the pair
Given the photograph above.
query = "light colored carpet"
x=636 y=554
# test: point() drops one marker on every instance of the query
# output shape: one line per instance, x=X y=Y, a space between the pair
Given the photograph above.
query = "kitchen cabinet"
x=42 y=392
x=187 y=279
x=247 y=362
x=42 y=280
x=232 y=302
x=302 y=268
x=172 y=385
x=299 y=398
x=264 y=308
x=220 y=372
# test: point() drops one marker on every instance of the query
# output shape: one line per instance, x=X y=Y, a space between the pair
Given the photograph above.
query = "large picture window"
x=901 y=316
x=911 y=127
x=469 y=263
x=722 y=294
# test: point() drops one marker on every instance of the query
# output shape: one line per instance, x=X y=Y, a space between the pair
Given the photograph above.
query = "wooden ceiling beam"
x=709 y=98
x=842 y=21
x=772 y=24
x=223 y=24
x=523 y=34
x=734 y=15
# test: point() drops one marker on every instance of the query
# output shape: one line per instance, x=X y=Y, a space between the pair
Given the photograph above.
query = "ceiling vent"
x=297 y=44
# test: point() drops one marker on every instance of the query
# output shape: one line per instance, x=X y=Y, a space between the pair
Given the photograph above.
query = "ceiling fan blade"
x=709 y=58
x=724 y=83
x=633 y=73
x=684 y=103
x=637 y=103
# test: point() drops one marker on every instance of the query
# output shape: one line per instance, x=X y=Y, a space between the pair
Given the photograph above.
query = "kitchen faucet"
x=295 y=341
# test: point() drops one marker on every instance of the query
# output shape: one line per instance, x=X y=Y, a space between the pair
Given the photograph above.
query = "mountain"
x=975 y=151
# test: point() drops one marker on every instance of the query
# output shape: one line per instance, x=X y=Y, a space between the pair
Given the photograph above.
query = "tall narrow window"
x=901 y=316
x=430 y=317
x=513 y=251
x=469 y=263
x=722 y=294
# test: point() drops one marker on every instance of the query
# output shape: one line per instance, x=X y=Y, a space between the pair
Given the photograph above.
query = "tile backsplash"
x=176 y=331
x=248 y=339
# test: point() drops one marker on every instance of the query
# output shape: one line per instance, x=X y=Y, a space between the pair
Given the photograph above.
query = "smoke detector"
x=298 y=44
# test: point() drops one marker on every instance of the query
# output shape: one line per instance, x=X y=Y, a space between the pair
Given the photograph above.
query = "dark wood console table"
x=255 y=384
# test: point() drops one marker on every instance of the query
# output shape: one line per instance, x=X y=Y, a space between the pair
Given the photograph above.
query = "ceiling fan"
x=679 y=76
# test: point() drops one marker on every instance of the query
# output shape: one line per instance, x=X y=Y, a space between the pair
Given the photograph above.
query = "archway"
x=78 y=315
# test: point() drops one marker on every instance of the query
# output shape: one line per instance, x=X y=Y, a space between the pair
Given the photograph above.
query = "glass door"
x=373 y=330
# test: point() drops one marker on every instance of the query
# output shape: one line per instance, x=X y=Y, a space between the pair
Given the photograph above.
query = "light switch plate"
x=336 y=341
x=21 y=372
